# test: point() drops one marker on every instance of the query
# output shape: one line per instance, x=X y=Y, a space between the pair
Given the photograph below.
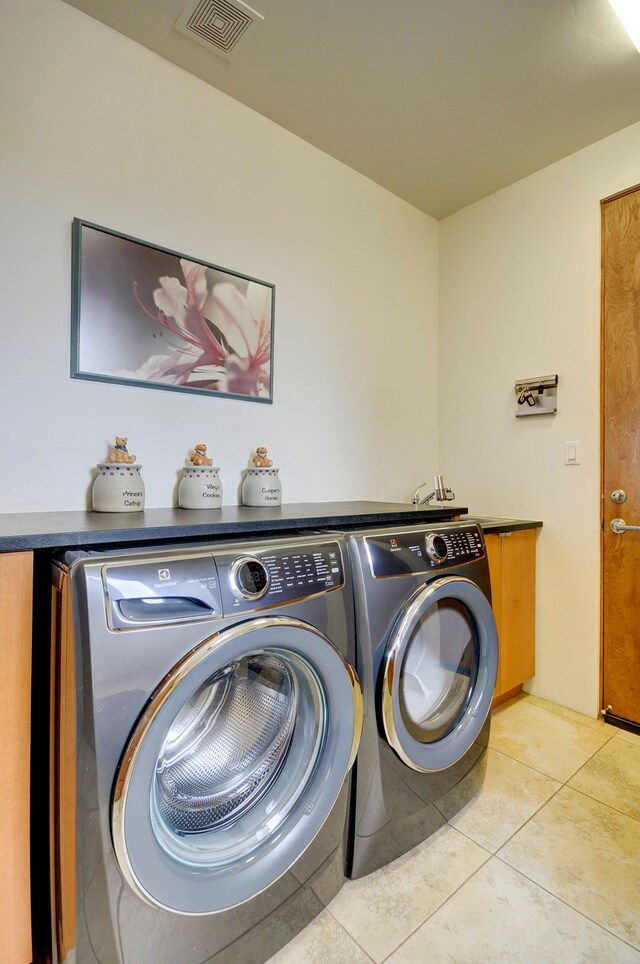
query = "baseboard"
x=503 y=697
x=622 y=724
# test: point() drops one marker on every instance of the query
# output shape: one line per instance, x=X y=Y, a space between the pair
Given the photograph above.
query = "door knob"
x=619 y=496
x=619 y=526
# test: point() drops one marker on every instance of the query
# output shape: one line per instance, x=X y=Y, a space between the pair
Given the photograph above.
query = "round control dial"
x=249 y=578
x=436 y=548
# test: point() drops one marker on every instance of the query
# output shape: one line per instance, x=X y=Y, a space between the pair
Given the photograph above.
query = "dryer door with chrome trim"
x=234 y=765
x=439 y=673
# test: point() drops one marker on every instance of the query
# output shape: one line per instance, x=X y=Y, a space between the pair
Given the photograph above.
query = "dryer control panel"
x=411 y=553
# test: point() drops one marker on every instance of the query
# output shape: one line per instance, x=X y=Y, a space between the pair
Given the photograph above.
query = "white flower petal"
x=196 y=277
x=228 y=309
x=259 y=300
x=154 y=369
x=171 y=298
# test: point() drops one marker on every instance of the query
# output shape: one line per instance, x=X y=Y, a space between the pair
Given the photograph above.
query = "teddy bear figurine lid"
x=199 y=455
x=119 y=451
x=260 y=460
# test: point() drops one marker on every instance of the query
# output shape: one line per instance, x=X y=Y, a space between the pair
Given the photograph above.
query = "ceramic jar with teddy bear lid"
x=200 y=486
x=261 y=485
x=118 y=486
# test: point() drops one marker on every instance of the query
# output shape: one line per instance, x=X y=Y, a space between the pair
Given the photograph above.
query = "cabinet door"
x=512 y=563
x=518 y=608
x=16 y=580
x=493 y=543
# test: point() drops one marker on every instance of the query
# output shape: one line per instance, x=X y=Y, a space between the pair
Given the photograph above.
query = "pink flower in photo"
x=179 y=310
x=225 y=335
x=245 y=322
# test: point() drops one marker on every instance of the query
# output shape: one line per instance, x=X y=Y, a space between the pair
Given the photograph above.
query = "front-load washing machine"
x=427 y=657
x=206 y=716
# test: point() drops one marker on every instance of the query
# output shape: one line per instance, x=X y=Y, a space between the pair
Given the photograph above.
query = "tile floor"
x=542 y=866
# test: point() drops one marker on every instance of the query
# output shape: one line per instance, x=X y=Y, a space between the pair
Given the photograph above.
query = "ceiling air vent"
x=218 y=25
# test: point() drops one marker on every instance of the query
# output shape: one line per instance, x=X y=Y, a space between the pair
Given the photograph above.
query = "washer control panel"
x=209 y=584
x=410 y=553
x=265 y=578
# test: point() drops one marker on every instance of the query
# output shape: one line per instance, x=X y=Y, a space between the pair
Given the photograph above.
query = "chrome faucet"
x=440 y=492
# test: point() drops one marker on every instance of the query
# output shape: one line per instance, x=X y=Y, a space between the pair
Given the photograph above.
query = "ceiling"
x=441 y=102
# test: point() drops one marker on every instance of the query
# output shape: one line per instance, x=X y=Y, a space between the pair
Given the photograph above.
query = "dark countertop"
x=47 y=530
x=490 y=524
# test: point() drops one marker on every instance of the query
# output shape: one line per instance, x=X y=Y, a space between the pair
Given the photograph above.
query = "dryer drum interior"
x=439 y=670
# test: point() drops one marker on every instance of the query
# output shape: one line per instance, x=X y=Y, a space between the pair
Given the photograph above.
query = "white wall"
x=97 y=127
x=520 y=297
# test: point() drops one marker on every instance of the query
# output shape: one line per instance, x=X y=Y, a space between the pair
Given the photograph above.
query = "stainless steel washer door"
x=439 y=673
x=234 y=765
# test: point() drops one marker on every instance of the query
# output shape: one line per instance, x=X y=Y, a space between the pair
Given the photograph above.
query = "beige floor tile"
x=499 y=915
x=510 y=795
x=549 y=742
x=613 y=776
x=570 y=714
x=627 y=736
x=384 y=908
x=587 y=855
x=322 y=941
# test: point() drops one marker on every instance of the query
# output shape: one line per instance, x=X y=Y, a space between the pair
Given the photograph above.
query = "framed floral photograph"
x=147 y=316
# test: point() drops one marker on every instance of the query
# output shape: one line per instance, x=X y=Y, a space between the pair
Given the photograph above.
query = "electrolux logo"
x=164 y=574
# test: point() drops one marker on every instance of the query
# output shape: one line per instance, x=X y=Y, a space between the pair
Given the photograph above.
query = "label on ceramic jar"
x=132 y=499
x=211 y=491
x=271 y=495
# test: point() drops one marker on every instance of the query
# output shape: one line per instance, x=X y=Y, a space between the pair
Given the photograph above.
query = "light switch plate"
x=572 y=453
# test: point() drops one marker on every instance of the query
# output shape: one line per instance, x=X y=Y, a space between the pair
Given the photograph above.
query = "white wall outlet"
x=572 y=453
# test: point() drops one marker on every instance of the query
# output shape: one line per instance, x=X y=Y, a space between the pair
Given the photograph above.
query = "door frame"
x=623 y=724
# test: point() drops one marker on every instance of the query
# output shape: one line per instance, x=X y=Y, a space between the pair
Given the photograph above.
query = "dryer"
x=206 y=717
x=427 y=656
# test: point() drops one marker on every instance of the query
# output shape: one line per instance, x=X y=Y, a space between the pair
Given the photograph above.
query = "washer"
x=427 y=655
x=207 y=715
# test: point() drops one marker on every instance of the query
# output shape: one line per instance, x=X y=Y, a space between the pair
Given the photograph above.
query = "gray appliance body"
x=427 y=655
x=217 y=718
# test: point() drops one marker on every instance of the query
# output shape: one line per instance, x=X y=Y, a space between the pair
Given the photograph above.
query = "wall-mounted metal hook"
x=537 y=396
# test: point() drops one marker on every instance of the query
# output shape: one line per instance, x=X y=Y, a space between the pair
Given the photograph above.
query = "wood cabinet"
x=16 y=581
x=512 y=563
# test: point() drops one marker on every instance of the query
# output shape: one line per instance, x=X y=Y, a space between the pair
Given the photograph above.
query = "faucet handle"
x=415 y=498
x=439 y=488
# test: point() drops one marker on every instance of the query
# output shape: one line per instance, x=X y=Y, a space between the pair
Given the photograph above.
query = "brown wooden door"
x=621 y=453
